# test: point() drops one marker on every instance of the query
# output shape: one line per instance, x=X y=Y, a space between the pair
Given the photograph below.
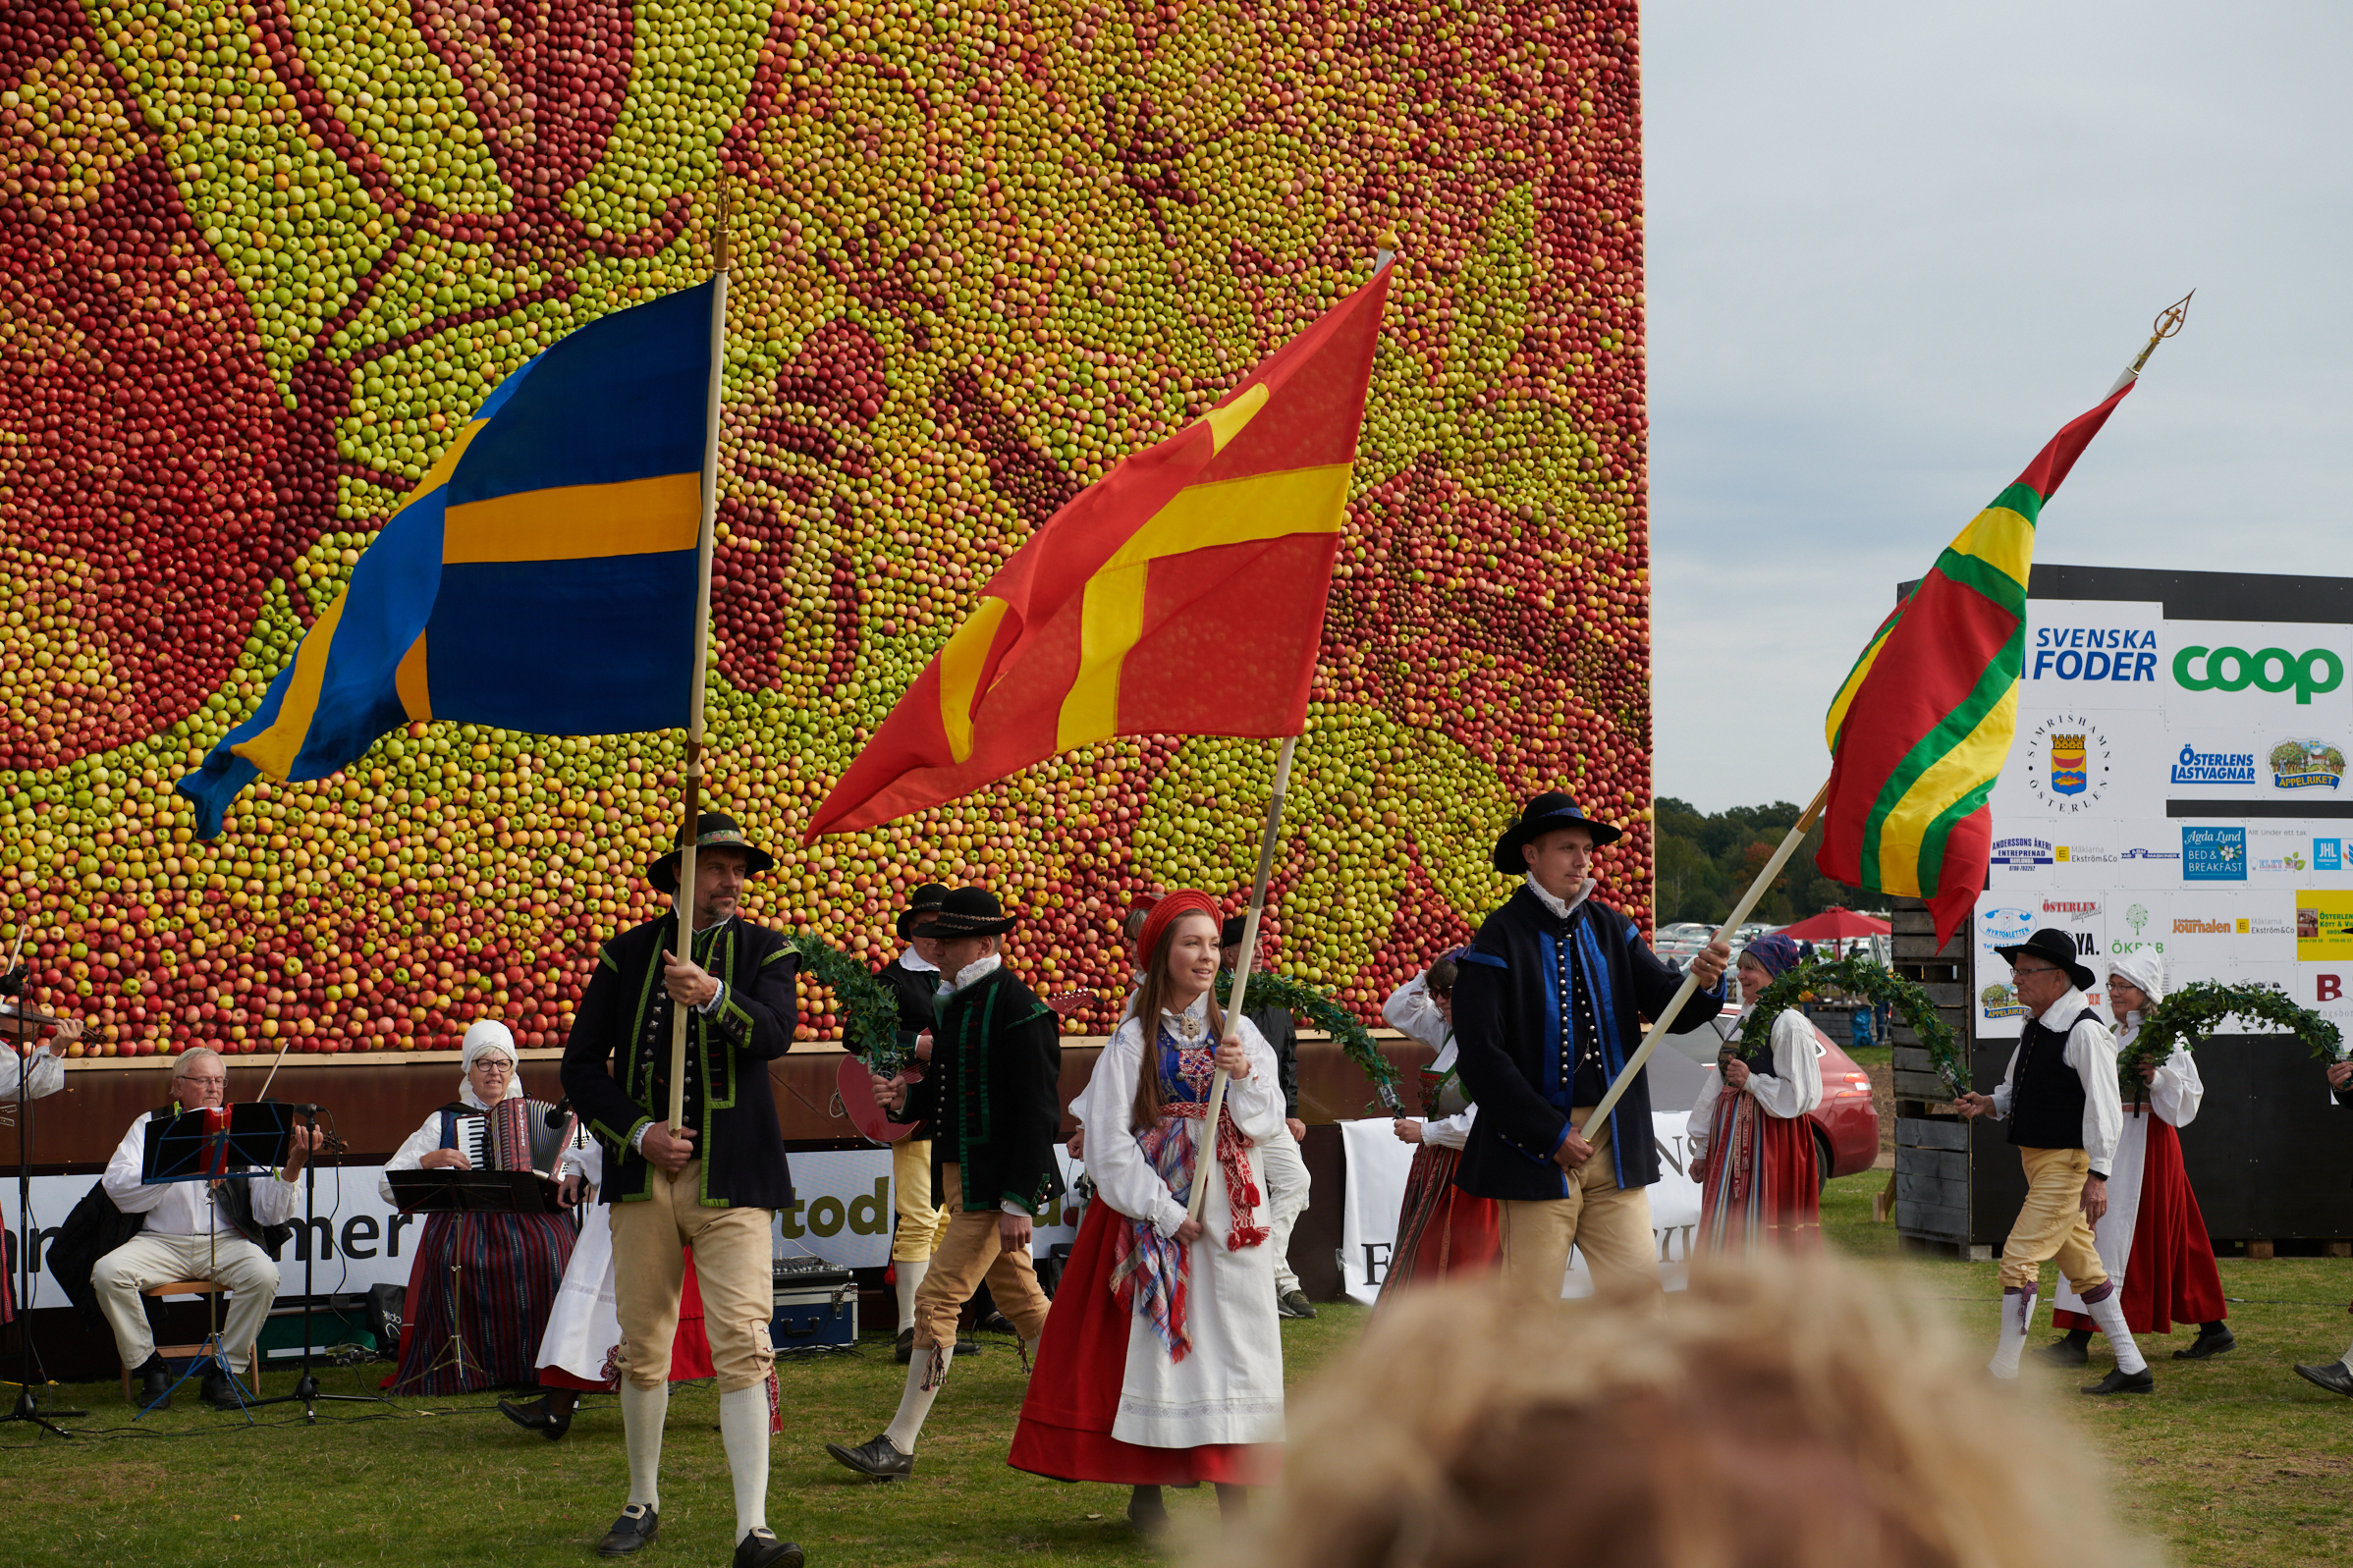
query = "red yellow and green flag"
x=1923 y=723
x=1180 y=594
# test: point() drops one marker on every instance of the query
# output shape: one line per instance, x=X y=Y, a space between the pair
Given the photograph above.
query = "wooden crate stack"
x=1932 y=1143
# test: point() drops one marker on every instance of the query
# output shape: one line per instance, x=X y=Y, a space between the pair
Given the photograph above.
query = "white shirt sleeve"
x=122 y=1173
x=2177 y=1091
x=1703 y=1112
x=2092 y=1053
x=1410 y=1010
x=1256 y=1103
x=275 y=1200
x=1450 y=1132
x=1794 y=1086
x=41 y=1074
x=2006 y=1090
x=411 y=1154
x=589 y=1158
x=1124 y=1177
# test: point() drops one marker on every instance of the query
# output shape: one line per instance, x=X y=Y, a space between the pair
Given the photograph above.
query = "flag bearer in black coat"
x=915 y=981
x=992 y=1092
x=1548 y=1008
x=714 y=1186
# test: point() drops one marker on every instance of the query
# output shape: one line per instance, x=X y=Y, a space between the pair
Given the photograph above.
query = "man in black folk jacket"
x=915 y=981
x=992 y=1092
x=714 y=1185
x=1549 y=1005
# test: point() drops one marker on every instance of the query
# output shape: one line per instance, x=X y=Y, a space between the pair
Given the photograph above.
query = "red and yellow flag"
x=1923 y=723
x=1182 y=594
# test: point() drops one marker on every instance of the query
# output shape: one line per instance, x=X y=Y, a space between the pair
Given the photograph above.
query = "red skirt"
x=1442 y=1230
x=1065 y=1431
x=2170 y=1276
x=689 y=1347
x=1761 y=1187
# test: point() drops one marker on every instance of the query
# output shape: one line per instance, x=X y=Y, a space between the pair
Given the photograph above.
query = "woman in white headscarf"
x=507 y=1265
x=2153 y=1237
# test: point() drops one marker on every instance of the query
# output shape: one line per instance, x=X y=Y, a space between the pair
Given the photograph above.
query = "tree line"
x=1705 y=860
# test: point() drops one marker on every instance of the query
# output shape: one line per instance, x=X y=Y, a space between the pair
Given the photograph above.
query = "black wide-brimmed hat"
x=1230 y=934
x=2056 y=946
x=969 y=913
x=1546 y=812
x=712 y=831
x=922 y=903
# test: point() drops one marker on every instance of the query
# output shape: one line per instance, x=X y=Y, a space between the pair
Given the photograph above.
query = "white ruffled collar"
x=977 y=969
x=1560 y=911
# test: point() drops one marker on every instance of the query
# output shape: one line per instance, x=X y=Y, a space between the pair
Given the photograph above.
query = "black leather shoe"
x=2208 y=1345
x=878 y=1459
x=761 y=1550
x=1148 y=1512
x=155 y=1382
x=2331 y=1375
x=635 y=1529
x=219 y=1390
x=1293 y=1303
x=902 y=1349
x=996 y=1322
x=2063 y=1353
x=2123 y=1383
x=549 y=1415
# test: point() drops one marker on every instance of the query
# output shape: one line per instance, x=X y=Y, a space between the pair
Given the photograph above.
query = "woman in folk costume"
x=1441 y=1228
x=2153 y=1237
x=578 y=1354
x=1162 y=1362
x=1752 y=1148
x=511 y=1265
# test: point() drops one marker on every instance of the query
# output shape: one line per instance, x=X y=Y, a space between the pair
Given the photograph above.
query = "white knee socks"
x=643 y=1411
x=915 y=1404
x=2108 y=1312
x=2017 y=1316
x=743 y=1429
x=910 y=1276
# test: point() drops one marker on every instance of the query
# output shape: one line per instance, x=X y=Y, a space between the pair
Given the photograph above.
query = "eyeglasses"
x=2039 y=970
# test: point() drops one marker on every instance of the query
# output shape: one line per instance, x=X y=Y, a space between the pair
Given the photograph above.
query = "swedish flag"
x=541 y=577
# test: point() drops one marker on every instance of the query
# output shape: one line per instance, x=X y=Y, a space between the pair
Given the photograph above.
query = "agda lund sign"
x=2307 y=675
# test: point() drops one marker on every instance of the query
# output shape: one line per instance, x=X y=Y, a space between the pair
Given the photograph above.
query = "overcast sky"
x=1894 y=248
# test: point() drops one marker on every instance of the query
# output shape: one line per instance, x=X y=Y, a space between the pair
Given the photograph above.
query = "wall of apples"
x=260 y=258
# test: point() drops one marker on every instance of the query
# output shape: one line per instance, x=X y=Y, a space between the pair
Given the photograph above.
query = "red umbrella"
x=1836 y=924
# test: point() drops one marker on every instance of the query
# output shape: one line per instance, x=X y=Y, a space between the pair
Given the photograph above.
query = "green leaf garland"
x=1862 y=977
x=1312 y=1007
x=869 y=1011
x=2184 y=1017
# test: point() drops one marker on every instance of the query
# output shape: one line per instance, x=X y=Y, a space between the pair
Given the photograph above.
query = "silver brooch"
x=1189 y=1028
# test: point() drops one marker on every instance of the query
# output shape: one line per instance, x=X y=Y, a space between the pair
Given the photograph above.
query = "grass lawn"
x=2234 y=1461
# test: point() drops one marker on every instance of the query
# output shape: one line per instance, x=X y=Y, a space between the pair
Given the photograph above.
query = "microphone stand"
x=305 y=1389
x=27 y=1406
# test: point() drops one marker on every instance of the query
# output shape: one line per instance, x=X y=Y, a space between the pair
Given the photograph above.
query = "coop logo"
x=2195 y=766
x=2307 y=675
x=2006 y=925
x=2328 y=855
x=2067 y=762
x=2307 y=765
x=2213 y=854
x=2094 y=653
x=2020 y=854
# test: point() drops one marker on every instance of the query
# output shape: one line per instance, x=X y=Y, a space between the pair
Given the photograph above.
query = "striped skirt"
x=512 y=1266
x=1442 y=1230
x=1761 y=1189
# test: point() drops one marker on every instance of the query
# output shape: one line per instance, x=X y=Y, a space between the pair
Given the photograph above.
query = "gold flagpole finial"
x=727 y=205
x=2168 y=323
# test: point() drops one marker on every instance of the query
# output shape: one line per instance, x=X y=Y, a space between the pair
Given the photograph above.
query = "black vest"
x=2046 y=1094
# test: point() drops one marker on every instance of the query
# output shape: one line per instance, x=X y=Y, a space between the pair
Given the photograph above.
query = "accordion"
x=512 y=1135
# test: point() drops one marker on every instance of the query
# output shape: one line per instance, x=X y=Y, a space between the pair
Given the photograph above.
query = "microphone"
x=559 y=1112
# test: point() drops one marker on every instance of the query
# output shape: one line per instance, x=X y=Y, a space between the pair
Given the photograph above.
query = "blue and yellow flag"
x=541 y=578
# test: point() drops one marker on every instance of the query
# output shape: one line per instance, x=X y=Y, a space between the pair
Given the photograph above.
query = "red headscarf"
x=1184 y=902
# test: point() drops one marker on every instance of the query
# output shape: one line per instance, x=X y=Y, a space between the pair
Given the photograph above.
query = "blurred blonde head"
x=1787 y=1414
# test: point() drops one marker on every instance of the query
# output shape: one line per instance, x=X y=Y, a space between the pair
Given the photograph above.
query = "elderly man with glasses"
x=228 y=1235
x=2065 y=1116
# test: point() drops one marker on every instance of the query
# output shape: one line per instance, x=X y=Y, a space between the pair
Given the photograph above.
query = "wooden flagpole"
x=1690 y=986
x=1205 y=1159
x=681 y=903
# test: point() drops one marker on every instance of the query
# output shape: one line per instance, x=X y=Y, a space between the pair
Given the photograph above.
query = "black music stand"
x=305 y=1389
x=27 y=1406
x=464 y=1193
x=252 y=1140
